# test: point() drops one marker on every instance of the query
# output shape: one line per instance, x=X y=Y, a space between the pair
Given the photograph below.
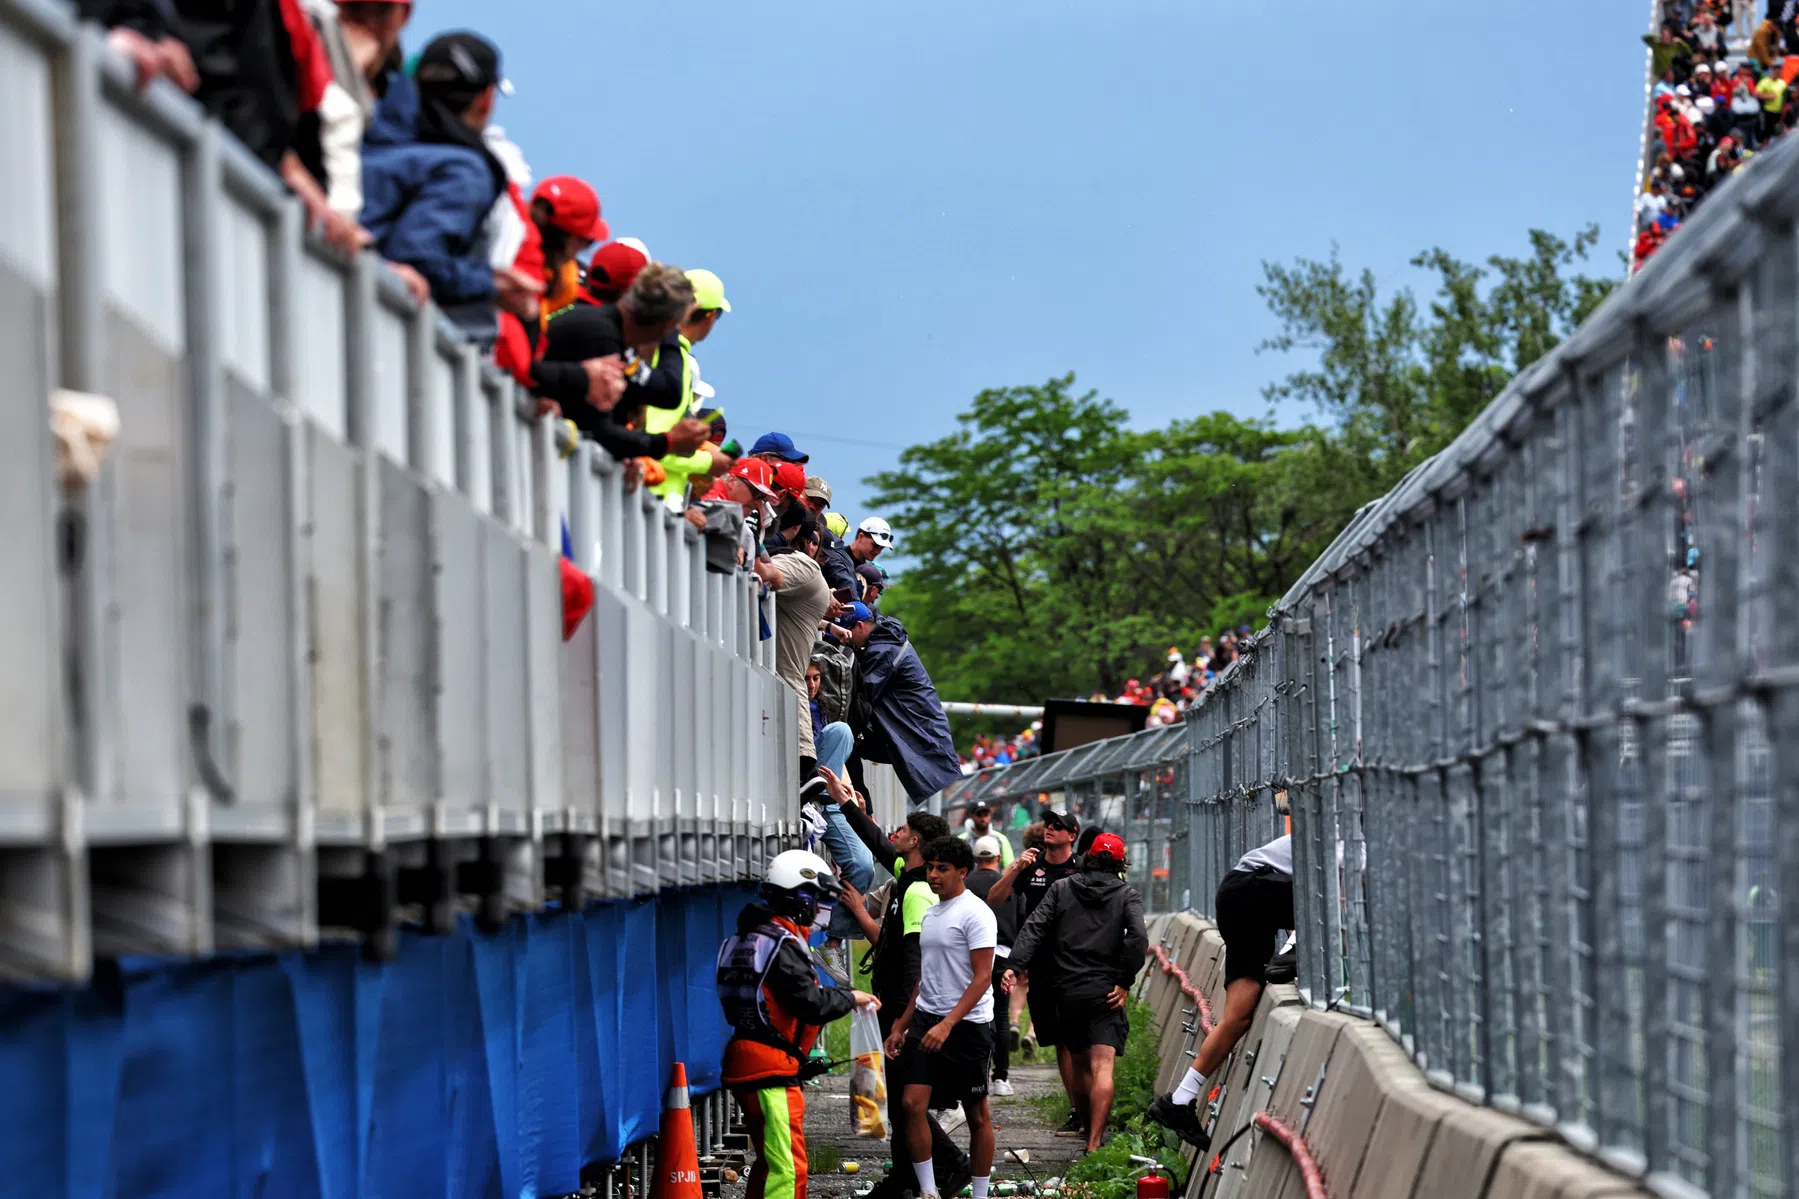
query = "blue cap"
x=777 y=443
x=854 y=615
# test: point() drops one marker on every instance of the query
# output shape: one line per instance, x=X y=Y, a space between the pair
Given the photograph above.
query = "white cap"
x=878 y=530
x=636 y=245
x=986 y=847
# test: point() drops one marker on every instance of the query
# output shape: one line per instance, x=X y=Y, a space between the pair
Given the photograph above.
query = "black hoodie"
x=1088 y=933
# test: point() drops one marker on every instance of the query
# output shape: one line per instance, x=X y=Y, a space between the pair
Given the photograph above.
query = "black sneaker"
x=1180 y=1119
x=1072 y=1127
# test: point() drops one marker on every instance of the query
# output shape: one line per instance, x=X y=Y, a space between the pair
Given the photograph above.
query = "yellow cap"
x=835 y=522
x=708 y=290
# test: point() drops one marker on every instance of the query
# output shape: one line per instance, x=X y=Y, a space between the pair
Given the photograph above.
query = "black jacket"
x=1089 y=933
x=595 y=331
x=895 y=968
x=839 y=567
x=906 y=725
x=1005 y=912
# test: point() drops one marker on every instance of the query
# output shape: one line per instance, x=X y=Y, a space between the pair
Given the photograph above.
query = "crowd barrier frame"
x=292 y=665
x=1534 y=716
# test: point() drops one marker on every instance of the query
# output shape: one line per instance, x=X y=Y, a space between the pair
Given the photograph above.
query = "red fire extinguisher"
x=1153 y=1182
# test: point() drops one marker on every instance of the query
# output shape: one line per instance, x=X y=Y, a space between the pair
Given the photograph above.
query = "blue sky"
x=909 y=202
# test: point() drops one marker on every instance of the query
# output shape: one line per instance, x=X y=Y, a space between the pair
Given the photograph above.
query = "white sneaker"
x=1000 y=1086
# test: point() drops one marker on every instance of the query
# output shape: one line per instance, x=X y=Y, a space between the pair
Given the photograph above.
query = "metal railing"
x=295 y=660
x=1535 y=716
x=1132 y=785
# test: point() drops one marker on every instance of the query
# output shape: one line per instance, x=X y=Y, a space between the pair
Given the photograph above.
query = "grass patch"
x=1108 y=1173
x=823 y=1159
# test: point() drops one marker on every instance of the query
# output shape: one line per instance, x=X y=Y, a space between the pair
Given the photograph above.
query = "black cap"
x=460 y=61
x=1061 y=820
x=982 y=806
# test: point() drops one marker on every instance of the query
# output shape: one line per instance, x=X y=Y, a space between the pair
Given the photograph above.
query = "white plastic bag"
x=868 y=1076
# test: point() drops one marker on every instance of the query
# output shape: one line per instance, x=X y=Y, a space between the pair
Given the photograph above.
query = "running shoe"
x=1072 y=1127
x=1180 y=1119
x=1001 y=1087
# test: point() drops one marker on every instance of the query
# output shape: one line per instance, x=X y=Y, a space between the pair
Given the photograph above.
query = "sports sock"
x=980 y=1186
x=927 y=1177
x=1191 y=1085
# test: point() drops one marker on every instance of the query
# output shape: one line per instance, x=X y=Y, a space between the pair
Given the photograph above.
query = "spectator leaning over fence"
x=138 y=30
x=905 y=724
x=430 y=181
x=776 y=448
x=561 y=221
x=944 y=1039
x=986 y=873
x=679 y=470
x=1254 y=903
x=893 y=964
x=630 y=333
x=1089 y=929
x=873 y=536
x=361 y=40
x=851 y=856
x=840 y=568
x=722 y=515
x=801 y=601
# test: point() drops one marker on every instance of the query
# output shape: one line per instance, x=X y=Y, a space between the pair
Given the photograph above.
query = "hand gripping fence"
x=1534 y=717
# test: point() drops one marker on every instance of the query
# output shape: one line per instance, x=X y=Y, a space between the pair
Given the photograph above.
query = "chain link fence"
x=1534 y=720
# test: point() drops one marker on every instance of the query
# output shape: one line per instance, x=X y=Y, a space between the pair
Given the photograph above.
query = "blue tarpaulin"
x=472 y=1065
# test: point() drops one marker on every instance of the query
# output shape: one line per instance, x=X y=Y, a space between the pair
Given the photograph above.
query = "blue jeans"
x=847 y=850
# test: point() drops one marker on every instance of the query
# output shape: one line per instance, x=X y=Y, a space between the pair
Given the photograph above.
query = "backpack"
x=836 y=680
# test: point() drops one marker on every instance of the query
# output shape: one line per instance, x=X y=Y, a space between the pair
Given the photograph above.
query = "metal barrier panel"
x=311 y=606
x=43 y=919
x=1534 y=717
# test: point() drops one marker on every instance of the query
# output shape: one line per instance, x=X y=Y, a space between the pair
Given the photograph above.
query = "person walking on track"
x=944 y=1039
x=776 y=1009
x=1254 y=904
x=1030 y=878
x=1089 y=931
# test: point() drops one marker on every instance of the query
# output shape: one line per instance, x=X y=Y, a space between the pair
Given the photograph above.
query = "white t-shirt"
x=953 y=930
x=1278 y=854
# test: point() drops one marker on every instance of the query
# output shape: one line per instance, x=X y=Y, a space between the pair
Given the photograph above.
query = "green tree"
x=1055 y=549
x=1397 y=382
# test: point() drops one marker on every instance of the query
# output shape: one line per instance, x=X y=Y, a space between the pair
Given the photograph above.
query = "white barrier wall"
x=293 y=664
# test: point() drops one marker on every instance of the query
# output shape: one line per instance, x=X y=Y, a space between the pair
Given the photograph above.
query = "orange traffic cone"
x=677 y=1162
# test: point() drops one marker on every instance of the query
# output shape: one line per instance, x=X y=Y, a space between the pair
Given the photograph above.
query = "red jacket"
x=518 y=346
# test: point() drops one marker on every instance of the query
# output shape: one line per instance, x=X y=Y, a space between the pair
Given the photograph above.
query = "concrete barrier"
x=1375 y=1126
x=1546 y=1170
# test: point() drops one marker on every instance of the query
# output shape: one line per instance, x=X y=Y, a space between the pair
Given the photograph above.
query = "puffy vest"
x=765 y=1035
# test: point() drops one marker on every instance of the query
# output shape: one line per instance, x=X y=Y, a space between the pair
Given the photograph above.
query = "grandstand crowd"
x=1167 y=693
x=1722 y=91
x=400 y=156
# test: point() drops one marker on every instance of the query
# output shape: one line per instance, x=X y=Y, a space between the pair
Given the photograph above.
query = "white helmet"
x=798 y=883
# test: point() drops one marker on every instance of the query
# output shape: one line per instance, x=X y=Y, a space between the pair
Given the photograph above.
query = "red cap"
x=611 y=270
x=574 y=207
x=791 y=478
x=758 y=474
x=1107 y=845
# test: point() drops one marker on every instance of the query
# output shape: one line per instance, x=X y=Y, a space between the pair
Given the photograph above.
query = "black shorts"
x=958 y=1071
x=1253 y=907
x=1081 y=1024
x=1040 y=1000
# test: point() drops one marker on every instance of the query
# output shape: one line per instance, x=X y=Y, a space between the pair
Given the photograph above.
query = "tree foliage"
x=1052 y=548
